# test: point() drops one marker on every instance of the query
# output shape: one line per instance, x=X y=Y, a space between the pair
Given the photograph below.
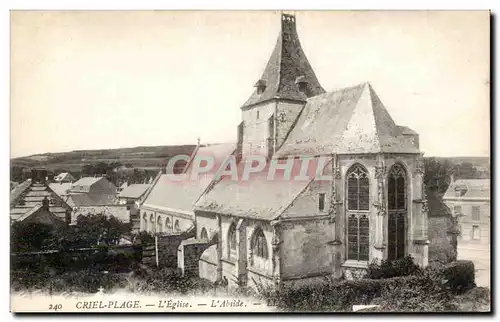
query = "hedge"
x=387 y=269
x=429 y=290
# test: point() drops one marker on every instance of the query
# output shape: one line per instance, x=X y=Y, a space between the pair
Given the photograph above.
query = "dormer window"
x=261 y=86
x=460 y=191
x=301 y=83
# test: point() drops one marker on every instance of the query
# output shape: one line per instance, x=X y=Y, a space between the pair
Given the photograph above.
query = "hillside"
x=145 y=157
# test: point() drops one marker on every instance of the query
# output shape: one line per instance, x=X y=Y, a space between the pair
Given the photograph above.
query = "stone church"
x=299 y=231
x=372 y=206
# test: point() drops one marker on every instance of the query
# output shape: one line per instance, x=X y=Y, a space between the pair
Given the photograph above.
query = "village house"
x=281 y=231
x=132 y=196
x=64 y=177
x=469 y=201
x=95 y=195
x=34 y=201
x=61 y=188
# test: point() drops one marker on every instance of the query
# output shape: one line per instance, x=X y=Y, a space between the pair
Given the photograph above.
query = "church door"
x=397 y=206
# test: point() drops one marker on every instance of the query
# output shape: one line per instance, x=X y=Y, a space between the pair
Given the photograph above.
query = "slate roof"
x=85 y=183
x=61 y=189
x=287 y=63
x=134 y=191
x=349 y=120
x=475 y=188
x=64 y=176
x=84 y=199
x=257 y=198
x=19 y=189
x=32 y=196
x=181 y=195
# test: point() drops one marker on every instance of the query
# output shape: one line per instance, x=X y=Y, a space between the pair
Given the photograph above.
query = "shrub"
x=388 y=269
x=164 y=280
x=424 y=291
x=144 y=238
x=329 y=296
x=441 y=251
x=87 y=281
x=459 y=276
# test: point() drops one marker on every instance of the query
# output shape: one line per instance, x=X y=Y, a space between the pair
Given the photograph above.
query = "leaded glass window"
x=259 y=244
x=358 y=205
x=397 y=188
x=358 y=188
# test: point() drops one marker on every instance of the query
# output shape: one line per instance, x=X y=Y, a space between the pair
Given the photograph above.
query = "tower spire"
x=288 y=74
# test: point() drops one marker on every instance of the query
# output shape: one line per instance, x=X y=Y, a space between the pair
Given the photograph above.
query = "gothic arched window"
x=159 y=227
x=259 y=244
x=231 y=240
x=358 y=204
x=358 y=188
x=397 y=188
x=397 y=206
x=152 y=222
x=145 y=222
x=203 y=234
x=168 y=223
x=176 y=226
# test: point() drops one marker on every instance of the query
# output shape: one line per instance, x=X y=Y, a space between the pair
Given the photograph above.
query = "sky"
x=98 y=80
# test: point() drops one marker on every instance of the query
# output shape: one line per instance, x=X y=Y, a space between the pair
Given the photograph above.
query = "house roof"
x=19 y=189
x=61 y=189
x=24 y=199
x=181 y=195
x=85 y=183
x=349 y=120
x=63 y=175
x=288 y=62
x=134 y=191
x=84 y=199
x=474 y=188
x=257 y=198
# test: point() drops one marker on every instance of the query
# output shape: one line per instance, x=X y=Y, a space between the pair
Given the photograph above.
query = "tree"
x=466 y=170
x=437 y=174
x=30 y=236
x=16 y=174
x=98 y=229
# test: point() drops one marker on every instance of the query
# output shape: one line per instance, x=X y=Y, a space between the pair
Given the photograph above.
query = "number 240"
x=55 y=307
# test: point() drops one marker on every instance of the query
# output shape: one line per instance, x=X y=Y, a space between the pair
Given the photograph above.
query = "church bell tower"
x=280 y=94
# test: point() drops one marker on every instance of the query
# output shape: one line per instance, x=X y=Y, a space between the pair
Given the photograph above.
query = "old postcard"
x=250 y=161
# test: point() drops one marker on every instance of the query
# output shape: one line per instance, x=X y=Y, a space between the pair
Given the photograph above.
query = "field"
x=146 y=157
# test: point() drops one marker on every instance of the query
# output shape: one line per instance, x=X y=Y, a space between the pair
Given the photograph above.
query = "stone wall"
x=256 y=128
x=118 y=211
x=306 y=248
x=189 y=253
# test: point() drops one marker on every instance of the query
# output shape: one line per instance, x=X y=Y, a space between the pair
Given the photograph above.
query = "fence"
x=112 y=257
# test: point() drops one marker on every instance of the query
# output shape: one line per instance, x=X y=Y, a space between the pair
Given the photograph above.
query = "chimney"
x=38 y=175
x=67 y=217
x=45 y=204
